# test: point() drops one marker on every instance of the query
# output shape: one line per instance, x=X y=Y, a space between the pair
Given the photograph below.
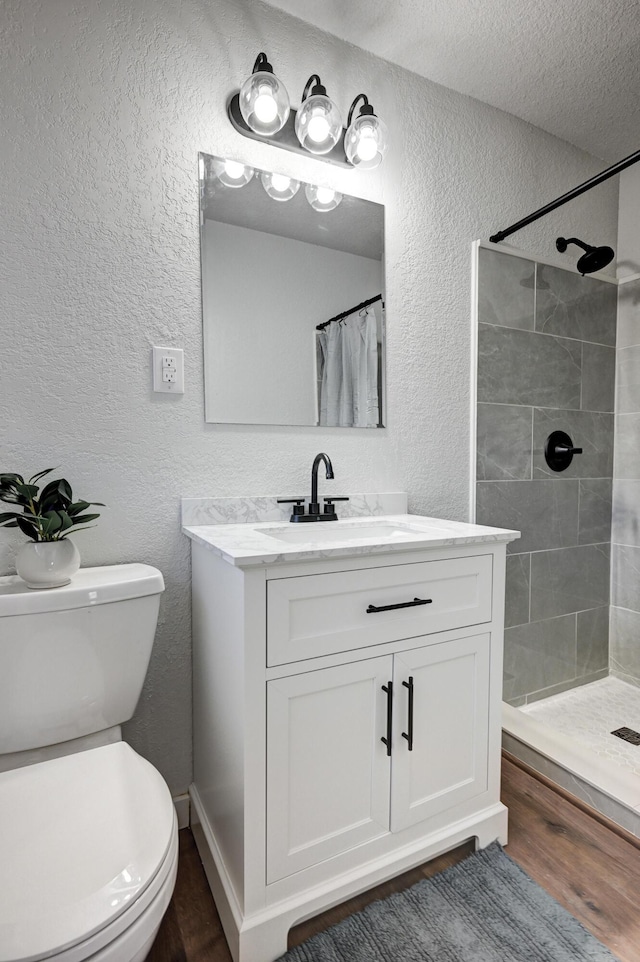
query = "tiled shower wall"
x=625 y=558
x=546 y=362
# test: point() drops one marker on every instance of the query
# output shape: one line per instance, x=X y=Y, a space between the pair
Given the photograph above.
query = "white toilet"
x=88 y=830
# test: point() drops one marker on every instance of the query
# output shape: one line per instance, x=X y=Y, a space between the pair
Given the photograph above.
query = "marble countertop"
x=258 y=543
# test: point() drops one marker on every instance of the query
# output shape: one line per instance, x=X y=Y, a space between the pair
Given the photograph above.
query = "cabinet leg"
x=492 y=830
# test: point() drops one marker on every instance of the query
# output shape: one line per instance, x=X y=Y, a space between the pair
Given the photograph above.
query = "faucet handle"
x=328 y=505
x=298 y=505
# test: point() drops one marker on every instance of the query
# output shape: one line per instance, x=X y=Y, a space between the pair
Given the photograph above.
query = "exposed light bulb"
x=325 y=195
x=318 y=125
x=367 y=145
x=263 y=99
x=279 y=186
x=318 y=129
x=234 y=170
x=265 y=106
x=280 y=182
x=231 y=173
x=322 y=199
x=366 y=139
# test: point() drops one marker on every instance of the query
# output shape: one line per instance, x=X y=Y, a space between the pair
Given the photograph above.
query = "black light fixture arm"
x=262 y=63
x=570 y=195
x=313 y=86
x=365 y=109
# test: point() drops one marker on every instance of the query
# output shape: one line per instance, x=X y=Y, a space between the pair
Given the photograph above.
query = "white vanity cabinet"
x=346 y=724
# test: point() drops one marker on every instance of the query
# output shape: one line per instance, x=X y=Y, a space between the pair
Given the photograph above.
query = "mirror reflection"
x=292 y=301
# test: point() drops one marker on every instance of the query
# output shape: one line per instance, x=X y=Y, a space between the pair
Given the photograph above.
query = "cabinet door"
x=328 y=773
x=448 y=760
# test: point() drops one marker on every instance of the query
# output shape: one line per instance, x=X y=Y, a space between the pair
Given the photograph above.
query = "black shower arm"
x=581 y=189
x=578 y=243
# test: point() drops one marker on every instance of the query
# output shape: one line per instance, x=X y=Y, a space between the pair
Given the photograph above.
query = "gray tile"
x=504 y=442
x=594 y=524
x=539 y=655
x=625 y=576
x=569 y=579
x=522 y=367
x=629 y=314
x=626 y=451
x=625 y=516
x=628 y=383
x=598 y=377
x=591 y=432
x=575 y=306
x=545 y=512
x=517 y=590
x=624 y=644
x=565 y=686
x=592 y=640
x=505 y=290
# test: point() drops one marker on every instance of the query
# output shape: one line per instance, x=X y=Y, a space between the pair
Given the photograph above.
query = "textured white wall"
x=105 y=105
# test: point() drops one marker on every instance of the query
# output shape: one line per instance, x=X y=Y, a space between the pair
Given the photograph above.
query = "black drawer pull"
x=409 y=735
x=373 y=609
x=388 y=688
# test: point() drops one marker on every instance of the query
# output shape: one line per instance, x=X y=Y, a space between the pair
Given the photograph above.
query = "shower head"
x=594 y=258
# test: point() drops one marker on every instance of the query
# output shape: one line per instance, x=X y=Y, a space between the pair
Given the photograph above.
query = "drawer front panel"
x=322 y=614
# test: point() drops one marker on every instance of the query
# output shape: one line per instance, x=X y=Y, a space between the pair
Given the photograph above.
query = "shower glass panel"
x=546 y=362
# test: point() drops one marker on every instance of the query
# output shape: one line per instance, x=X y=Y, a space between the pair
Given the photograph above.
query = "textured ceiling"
x=571 y=67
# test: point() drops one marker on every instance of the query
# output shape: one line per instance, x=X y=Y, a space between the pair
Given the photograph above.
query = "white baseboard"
x=182 y=806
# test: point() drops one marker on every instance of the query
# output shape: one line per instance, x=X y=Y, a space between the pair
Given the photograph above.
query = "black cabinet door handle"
x=409 y=733
x=388 y=688
x=374 y=609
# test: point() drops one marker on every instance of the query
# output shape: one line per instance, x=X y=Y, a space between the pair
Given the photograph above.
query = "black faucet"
x=314 y=507
x=329 y=513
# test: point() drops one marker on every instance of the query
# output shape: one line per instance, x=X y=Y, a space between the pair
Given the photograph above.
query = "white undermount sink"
x=339 y=531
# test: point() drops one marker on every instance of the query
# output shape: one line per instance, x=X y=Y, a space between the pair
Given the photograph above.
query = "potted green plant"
x=46 y=517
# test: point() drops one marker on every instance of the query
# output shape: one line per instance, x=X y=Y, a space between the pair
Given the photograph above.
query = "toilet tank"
x=73 y=659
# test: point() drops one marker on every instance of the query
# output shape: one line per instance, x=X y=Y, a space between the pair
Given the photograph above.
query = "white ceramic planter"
x=47 y=564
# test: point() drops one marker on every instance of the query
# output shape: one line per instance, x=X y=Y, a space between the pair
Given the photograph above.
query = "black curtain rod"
x=588 y=184
x=352 y=310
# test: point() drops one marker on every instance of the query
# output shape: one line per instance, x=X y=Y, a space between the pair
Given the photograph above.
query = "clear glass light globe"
x=366 y=142
x=279 y=186
x=264 y=103
x=322 y=198
x=232 y=173
x=318 y=124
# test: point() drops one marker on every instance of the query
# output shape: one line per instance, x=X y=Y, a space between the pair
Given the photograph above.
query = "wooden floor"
x=591 y=869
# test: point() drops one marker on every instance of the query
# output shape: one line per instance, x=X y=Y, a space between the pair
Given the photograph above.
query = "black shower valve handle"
x=559 y=451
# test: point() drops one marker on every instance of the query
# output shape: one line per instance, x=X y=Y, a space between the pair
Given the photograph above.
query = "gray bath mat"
x=484 y=909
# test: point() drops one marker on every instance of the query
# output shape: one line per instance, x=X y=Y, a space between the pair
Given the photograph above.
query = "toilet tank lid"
x=88 y=587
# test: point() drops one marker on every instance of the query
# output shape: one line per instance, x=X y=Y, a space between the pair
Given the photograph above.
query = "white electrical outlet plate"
x=168 y=370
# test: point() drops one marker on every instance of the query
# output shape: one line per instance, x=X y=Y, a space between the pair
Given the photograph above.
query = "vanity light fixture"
x=366 y=139
x=260 y=110
x=318 y=123
x=264 y=101
x=279 y=186
x=322 y=198
x=232 y=173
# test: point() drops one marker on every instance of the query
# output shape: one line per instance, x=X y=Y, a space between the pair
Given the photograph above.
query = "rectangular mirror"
x=292 y=302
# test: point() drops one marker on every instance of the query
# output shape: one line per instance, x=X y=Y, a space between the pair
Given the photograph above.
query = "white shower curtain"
x=348 y=370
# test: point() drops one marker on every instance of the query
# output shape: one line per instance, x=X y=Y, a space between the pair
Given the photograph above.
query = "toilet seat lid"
x=81 y=837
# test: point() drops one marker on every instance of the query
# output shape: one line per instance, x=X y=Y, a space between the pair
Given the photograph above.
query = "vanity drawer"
x=322 y=614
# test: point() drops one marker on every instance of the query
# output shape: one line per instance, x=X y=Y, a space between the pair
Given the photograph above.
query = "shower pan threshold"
x=605 y=785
